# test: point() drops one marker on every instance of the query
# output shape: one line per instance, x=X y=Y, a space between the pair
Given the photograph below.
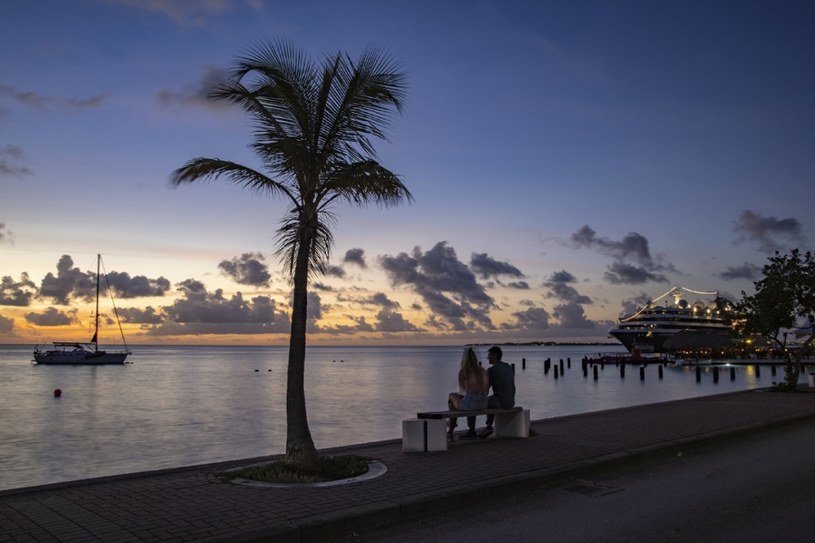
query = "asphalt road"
x=757 y=487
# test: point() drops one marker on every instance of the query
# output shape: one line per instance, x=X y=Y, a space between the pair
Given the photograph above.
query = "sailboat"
x=68 y=352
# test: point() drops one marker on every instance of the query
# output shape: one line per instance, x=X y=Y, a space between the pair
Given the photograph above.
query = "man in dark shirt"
x=502 y=381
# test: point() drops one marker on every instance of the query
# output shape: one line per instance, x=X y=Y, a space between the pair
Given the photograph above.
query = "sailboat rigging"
x=68 y=352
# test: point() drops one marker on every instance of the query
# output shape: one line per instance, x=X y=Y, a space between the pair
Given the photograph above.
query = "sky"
x=568 y=161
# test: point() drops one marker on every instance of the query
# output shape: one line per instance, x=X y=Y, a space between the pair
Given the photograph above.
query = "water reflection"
x=189 y=405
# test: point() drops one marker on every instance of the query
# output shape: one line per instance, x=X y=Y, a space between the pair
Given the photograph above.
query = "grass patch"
x=328 y=468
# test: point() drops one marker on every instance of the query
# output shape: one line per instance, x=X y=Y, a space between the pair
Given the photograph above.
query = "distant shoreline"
x=550 y=344
x=504 y=344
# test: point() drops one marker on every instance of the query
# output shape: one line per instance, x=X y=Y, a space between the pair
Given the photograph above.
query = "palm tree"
x=313 y=125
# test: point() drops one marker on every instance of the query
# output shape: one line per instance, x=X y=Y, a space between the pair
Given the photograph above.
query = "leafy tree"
x=784 y=299
x=313 y=128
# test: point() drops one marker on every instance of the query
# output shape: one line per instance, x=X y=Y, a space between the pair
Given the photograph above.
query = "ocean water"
x=178 y=406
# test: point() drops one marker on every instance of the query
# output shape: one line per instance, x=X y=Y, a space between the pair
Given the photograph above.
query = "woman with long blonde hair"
x=473 y=384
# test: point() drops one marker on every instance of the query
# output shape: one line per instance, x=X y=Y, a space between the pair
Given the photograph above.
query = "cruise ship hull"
x=666 y=341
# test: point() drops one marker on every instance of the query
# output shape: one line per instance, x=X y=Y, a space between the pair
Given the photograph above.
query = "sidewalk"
x=191 y=504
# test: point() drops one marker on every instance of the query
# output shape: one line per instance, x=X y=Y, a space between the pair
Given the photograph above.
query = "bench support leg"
x=423 y=435
x=512 y=424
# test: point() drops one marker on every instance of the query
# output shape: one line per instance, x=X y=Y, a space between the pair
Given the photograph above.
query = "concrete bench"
x=428 y=431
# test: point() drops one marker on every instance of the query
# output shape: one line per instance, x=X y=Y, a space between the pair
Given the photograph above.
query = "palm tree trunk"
x=300 y=450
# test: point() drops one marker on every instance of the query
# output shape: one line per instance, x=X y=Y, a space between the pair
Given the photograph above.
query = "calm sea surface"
x=178 y=406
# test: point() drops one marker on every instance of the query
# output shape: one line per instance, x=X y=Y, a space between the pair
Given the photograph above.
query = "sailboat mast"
x=96 y=325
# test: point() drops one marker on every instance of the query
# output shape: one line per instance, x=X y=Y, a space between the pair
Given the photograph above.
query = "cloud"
x=446 y=285
x=560 y=288
x=452 y=313
x=620 y=273
x=46 y=103
x=248 y=269
x=191 y=288
x=198 y=93
x=487 y=267
x=315 y=312
x=51 y=317
x=745 y=271
x=355 y=256
x=387 y=315
x=532 y=319
x=360 y=325
x=391 y=321
x=10 y=158
x=381 y=299
x=198 y=306
x=17 y=293
x=125 y=286
x=201 y=312
x=335 y=271
x=764 y=230
x=562 y=276
x=189 y=12
x=6 y=325
x=633 y=261
x=148 y=315
x=520 y=285
x=571 y=315
x=69 y=283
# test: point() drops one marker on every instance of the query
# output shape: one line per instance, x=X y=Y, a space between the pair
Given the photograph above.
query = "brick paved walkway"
x=191 y=504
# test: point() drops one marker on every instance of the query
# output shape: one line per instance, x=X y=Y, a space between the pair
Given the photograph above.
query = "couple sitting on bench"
x=474 y=383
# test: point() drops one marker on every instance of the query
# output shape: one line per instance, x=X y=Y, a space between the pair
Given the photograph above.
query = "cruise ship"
x=676 y=324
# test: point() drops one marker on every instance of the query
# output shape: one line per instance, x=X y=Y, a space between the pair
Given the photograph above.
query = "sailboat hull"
x=74 y=354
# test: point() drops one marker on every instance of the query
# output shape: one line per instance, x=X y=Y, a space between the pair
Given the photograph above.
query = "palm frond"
x=360 y=104
x=364 y=182
x=236 y=93
x=207 y=169
x=282 y=79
